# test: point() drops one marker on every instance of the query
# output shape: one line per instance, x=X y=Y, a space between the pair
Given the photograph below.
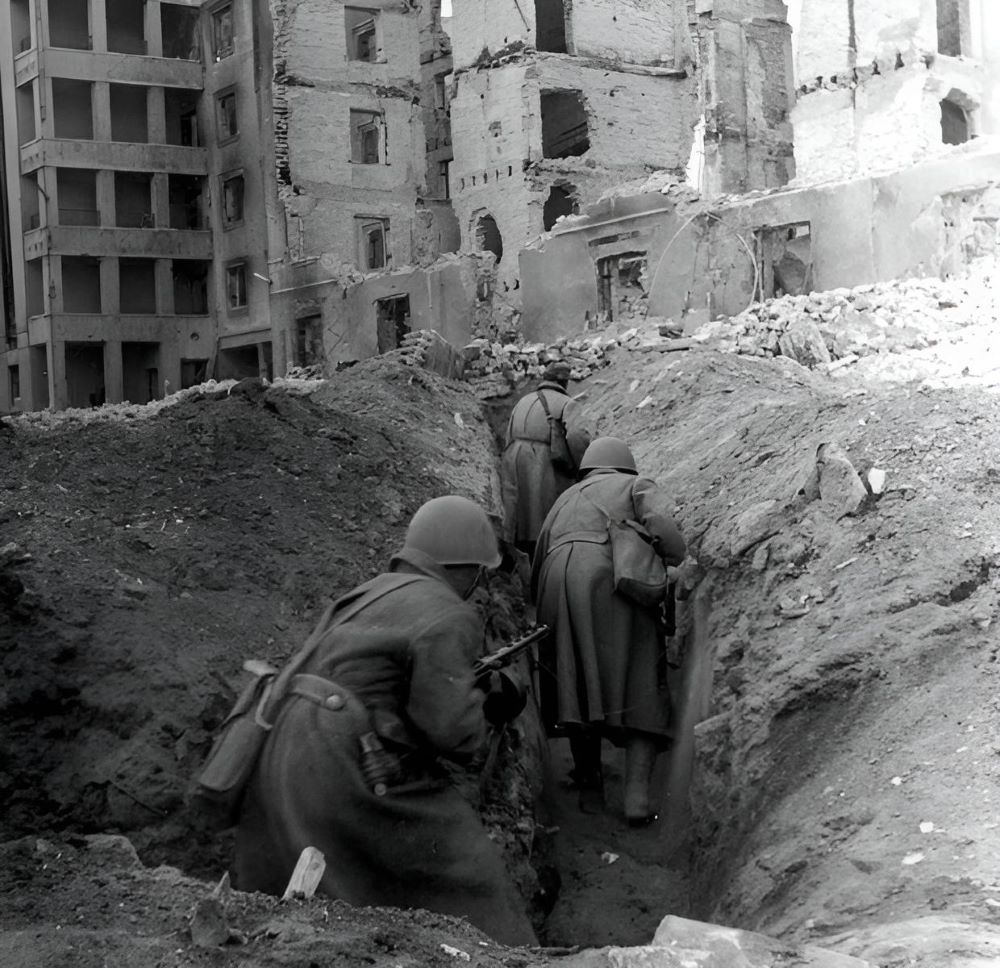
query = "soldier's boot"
x=640 y=758
x=587 y=773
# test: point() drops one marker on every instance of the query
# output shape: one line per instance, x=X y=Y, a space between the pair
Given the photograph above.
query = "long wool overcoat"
x=529 y=481
x=602 y=666
x=401 y=666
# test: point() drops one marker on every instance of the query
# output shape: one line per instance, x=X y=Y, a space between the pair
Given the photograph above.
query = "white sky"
x=445 y=8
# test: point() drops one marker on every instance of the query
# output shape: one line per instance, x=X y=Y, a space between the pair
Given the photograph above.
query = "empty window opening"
x=236 y=286
x=72 y=109
x=126 y=27
x=488 y=237
x=239 y=362
x=14 y=382
x=179 y=29
x=222 y=31
x=367 y=142
x=76 y=189
x=621 y=284
x=227 y=123
x=137 y=287
x=550 y=25
x=564 y=124
x=440 y=92
x=953 y=28
x=392 y=319
x=38 y=360
x=559 y=203
x=34 y=289
x=309 y=341
x=141 y=372
x=193 y=373
x=20 y=25
x=362 y=27
x=190 y=284
x=186 y=201
x=84 y=374
x=69 y=24
x=955 y=122
x=181 y=117
x=373 y=243
x=134 y=200
x=444 y=179
x=81 y=284
x=129 y=112
x=24 y=99
x=784 y=260
x=232 y=200
x=31 y=200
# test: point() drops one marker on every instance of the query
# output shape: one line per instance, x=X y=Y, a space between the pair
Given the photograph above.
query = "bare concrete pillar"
x=57 y=375
x=106 y=197
x=99 y=25
x=102 y=111
x=169 y=364
x=163 y=268
x=153 y=29
x=110 y=297
x=52 y=280
x=114 y=377
x=160 y=200
x=156 y=116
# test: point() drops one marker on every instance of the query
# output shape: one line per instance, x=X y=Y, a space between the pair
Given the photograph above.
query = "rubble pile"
x=494 y=368
x=835 y=328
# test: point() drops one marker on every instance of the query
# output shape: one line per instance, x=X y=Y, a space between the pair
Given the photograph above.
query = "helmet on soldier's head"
x=559 y=371
x=608 y=452
x=453 y=531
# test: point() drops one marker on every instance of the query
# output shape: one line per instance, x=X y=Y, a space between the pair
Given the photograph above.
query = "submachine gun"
x=496 y=661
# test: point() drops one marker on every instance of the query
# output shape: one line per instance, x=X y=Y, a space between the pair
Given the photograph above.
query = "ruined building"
x=556 y=103
x=189 y=186
x=885 y=83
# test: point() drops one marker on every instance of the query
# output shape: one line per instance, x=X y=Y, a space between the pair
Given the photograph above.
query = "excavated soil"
x=844 y=769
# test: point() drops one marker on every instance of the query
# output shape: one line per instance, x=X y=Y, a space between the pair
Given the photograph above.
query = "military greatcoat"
x=530 y=482
x=401 y=667
x=602 y=666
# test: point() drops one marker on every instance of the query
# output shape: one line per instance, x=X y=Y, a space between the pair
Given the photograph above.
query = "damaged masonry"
x=274 y=274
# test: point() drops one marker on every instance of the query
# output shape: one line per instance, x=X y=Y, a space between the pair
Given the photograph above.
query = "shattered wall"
x=707 y=261
x=500 y=168
x=872 y=76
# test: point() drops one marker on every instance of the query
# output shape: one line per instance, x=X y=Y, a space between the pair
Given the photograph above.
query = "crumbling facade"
x=886 y=83
x=557 y=103
x=189 y=187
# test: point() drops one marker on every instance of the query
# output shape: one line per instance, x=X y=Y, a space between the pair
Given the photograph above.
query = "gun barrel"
x=500 y=658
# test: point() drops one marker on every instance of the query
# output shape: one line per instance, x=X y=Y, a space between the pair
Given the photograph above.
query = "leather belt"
x=322 y=691
x=586 y=537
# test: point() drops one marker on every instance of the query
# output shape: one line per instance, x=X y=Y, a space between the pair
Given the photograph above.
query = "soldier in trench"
x=531 y=478
x=352 y=766
x=602 y=671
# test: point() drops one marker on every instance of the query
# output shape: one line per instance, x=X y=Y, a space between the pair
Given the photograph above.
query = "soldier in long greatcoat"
x=602 y=670
x=352 y=766
x=530 y=480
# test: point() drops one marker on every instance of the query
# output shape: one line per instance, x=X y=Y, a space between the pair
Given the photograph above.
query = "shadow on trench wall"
x=694 y=697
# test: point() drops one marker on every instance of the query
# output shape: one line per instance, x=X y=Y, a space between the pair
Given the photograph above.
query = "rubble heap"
x=832 y=329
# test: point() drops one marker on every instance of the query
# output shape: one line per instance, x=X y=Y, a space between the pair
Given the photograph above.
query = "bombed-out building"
x=557 y=103
x=187 y=182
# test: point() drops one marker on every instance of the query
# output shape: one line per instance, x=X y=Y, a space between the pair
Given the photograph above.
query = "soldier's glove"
x=505 y=697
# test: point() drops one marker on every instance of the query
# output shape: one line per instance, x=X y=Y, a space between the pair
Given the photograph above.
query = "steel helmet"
x=608 y=452
x=453 y=531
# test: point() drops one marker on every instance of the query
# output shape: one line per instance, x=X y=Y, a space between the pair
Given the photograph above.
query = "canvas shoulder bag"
x=561 y=456
x=638 y=571
x=221 y=785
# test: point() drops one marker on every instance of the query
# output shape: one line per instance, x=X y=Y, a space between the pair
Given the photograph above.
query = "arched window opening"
x=488 y=238
x=559 y=203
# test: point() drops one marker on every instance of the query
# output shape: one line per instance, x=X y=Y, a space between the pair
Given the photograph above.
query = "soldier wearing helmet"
x=601 y=671
x=533 y=473
x=353 y=764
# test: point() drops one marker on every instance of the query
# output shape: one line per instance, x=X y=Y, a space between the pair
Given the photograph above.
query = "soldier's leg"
x=585 y=745
x=640 y=758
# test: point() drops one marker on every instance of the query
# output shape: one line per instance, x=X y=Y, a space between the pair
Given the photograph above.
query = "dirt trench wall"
x=847 y=762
